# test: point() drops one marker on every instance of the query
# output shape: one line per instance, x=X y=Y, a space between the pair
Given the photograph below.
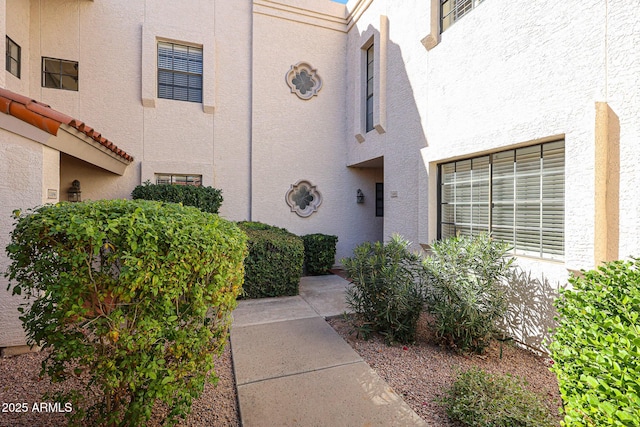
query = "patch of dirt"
x=20 y=383
x=422 y=372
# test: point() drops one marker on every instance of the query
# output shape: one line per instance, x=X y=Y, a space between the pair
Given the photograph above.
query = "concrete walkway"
x=293 y=369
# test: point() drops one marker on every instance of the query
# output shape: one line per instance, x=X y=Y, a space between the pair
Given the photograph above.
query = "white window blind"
x=518 y=195
x=179 y=72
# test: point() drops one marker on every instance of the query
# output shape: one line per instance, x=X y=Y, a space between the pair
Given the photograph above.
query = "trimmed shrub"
x=273 y=266
x=596 y=347
x=136 y=294
x=319 y=253
x=387 y=292
x=466 y=296
x=207 y=199
x=480 y=399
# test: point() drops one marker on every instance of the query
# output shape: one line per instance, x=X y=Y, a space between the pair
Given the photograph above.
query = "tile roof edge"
x=49 y=120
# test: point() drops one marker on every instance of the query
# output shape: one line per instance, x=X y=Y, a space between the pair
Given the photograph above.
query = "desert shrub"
x=319 y=252
x=387 y=292
x=481 y=399
x=274 y=264
x=596 y=347
x=137 y=294
x=465 y=296
x=207 y=199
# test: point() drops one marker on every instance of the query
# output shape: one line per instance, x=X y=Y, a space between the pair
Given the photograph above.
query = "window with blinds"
x=193 y=180
x=452 y=10
x=179 y=72
x=517 y=195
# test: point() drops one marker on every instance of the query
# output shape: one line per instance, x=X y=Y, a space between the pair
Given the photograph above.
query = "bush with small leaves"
x=207 y=199
x=466 y=296
x=273 y=266
x=596 y=346
x=481 y=399
x=136 y=294
x=387 y=293
x=319 y=253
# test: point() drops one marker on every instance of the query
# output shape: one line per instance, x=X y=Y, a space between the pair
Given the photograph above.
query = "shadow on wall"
x=531 y=313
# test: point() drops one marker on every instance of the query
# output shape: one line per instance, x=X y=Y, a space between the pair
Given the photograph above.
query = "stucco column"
x=607 y=184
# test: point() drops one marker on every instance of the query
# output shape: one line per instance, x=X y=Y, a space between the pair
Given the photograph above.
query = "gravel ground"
x=20 y=383
x=422 y=372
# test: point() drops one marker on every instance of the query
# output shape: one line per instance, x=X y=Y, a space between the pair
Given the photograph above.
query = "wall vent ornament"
x=303 y=80
x=303 y=198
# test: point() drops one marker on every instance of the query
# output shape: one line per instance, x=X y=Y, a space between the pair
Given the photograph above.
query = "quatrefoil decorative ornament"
x=303 y=80
x=303 y=198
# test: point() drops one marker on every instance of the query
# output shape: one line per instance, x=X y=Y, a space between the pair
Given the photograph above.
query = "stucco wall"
x=295 y=139
x=17 y=28
x=21 y=181
x=507 y=74
x=399 y=107
x=622 y=95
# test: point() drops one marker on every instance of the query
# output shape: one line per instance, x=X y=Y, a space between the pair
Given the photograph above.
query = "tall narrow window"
x=13 y=57
x=59 y=74
x=379 y=199
x=179 y=72
x=518 y=195
x=369 y=92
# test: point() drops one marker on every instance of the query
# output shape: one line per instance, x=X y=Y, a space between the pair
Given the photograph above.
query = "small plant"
x=465 y=295
x=207 y=199
x=319 y=253
x=136 y=294
x=387 y=292
x=481 y=399
x=274 y=265
x=596 y=346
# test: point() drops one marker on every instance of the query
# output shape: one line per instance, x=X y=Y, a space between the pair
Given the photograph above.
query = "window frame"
x=10 y=59
x=61 y=74
x=173 y=72
x=518 y=194
x=193 y=180
x=369 y=92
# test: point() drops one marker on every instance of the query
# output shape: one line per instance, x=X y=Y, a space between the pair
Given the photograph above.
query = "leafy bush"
x=596 y=347
x=136 y=294
x=319 y=252
x=387 y=291
x=274 y=264
x=480 y=399
x=466 y=296
x=207 y=199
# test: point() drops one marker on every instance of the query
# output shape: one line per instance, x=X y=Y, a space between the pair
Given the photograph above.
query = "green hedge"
x=596 y=347
x=136 y=294
x=207 y=199
x=274 y=264
x=319 y=253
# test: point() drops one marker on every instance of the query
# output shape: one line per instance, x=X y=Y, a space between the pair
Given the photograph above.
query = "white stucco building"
x=448 y=116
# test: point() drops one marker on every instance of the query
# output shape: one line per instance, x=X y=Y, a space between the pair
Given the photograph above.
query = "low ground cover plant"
x=207 y=199
x=466 y=296
x=596 y=346
x=273 y=266
x=135 y=294
x=319 y=253
x=388 y=288
x=481 y=399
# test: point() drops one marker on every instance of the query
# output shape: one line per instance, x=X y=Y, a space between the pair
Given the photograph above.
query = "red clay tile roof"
x=49 y=120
